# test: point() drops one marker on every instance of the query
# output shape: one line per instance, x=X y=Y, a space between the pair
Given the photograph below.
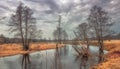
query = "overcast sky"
x=73 y=13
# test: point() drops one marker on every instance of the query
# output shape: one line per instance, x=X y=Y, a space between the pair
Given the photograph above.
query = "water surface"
x=46 y=59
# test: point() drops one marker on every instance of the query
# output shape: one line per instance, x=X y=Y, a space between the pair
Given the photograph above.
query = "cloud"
x=73 y=12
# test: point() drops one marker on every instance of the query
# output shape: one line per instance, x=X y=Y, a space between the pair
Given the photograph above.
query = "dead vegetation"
x=13 y=49
x=112 y=59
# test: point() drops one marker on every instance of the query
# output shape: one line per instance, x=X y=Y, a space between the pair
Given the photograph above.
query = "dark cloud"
x=73 y=12
x=54 y=7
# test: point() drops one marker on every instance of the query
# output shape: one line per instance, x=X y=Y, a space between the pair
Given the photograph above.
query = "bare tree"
x=63 y=34
x=100 y=23
x=36 y=34
x=22 y=23
x=83 y=33
x=55 y=34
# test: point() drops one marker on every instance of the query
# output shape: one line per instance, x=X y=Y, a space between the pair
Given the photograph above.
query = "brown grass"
x=112 y=45
x=110 y=64
x=13 y=49
x=113 y=57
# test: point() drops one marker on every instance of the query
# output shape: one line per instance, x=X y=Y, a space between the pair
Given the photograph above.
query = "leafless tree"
x=83 y=33
x=64 y=35
x=83 y=52
x=36 y=34
x=55 y=34
x=100 y=22
x=22 y=23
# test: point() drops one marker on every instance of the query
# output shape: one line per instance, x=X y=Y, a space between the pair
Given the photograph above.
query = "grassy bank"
x=112 y=59
x=14 y=49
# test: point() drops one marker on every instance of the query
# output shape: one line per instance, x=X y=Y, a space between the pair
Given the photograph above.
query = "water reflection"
x=82 y=56
x=84 y=60
x=58 y=53
x=25 y=61
x=63 y=58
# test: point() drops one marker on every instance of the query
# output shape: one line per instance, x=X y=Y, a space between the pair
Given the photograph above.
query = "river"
x=46 y=59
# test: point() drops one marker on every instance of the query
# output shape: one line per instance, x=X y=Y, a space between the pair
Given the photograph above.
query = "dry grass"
x=112 y=45
x=111 y=64
x=113 y=57
x=13 y=49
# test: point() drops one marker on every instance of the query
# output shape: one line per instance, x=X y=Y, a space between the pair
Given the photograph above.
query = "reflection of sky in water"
x=38 y=59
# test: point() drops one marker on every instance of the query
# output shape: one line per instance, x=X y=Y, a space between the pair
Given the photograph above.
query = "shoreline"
x=33 y=48
x=112 y=58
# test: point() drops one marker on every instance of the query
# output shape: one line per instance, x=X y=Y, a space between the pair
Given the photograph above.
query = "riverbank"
x=14 y=49
x=112 y=58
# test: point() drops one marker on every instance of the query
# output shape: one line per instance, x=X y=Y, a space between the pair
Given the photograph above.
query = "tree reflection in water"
x=61 y=58
x=25 y=61
x=82 y=57
x=58 y=64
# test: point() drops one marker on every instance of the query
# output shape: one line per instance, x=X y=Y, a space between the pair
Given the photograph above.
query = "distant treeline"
x=109 y=37
x=18 y=40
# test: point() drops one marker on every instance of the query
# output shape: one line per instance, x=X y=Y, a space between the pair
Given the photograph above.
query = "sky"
x=46 y=12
